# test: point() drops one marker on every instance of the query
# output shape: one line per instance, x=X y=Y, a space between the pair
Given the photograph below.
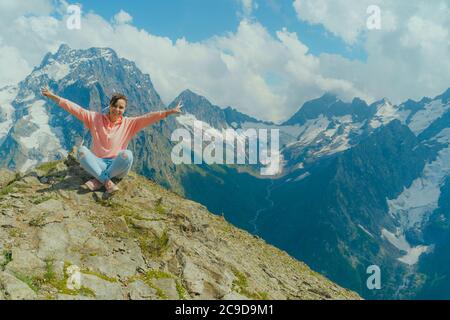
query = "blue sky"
x=198 y=20
x=265 y=62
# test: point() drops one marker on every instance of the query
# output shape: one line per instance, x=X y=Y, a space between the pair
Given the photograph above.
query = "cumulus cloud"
x=406 y=58
x=263 y=75
x=13 y=66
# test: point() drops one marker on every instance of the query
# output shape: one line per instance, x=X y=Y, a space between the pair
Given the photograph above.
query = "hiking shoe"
x=93 y=184
x=111 y=187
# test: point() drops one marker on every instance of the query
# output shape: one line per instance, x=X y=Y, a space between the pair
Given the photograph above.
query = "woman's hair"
x=117 y=96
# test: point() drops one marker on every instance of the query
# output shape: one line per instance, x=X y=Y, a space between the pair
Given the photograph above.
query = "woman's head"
x=117 y=105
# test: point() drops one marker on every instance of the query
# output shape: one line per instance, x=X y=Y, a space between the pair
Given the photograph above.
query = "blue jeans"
x=103 y=169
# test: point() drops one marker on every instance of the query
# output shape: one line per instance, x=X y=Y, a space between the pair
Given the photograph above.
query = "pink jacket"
x=110 y=138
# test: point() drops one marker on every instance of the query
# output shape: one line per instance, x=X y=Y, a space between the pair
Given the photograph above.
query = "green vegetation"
x=38 y=221
x=33 y=283
x=240 y=285
x=154 y=246
x=7 y=255
x=129 y=213
x=40 y=200
x=99 y=275
x=159 y=207
x=51 y=279
x=157 y=274
x=181 y=291
x=49 y=270
x=15 y=233
x=6 y=190
x=48 y=167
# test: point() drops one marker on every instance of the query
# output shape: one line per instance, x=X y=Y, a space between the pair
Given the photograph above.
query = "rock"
x=31 y=180
x=138 y=290
x=121 y=264
x=79 y=230
x=15 y=289
x=193 y=278
x=95 y=246
x=26 y=263
x=168 y=286
x=18 y=204
x=53 y=242
x=120 y=225
x=73 y=297
x=103 y=289
x=49 y=206
x=6 y=177
x=234 y=296
x=155 y=227
x=7 y=222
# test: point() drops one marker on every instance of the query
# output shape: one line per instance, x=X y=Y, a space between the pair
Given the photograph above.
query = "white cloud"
x=14 y=67
x=123 y=17
x=251 y=70
x=407 y=58
x=344 y=18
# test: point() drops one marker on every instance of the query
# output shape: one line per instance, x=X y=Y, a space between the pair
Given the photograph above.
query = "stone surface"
x=26 y=263
x=14 y=289
x=168 y=287
x=123 y=247
x=6 y=176
x=103 y=289
x=138 y=290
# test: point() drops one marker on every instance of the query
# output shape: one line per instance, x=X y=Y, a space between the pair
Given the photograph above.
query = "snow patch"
x=365 y=230
x=386 y=112
x=302 y=176
x=415 y=203
x=54 y=70
x=43 y=139
x=7 y=96
x=399 y=241
x=423 y=118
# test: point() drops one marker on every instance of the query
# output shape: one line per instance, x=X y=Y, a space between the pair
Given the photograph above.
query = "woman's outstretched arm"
x=82 y=114
x=152 y=117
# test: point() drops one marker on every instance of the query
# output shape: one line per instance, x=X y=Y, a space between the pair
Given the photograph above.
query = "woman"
x=111 y=133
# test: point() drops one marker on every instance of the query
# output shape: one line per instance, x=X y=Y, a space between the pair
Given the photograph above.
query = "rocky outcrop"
x=58 y=241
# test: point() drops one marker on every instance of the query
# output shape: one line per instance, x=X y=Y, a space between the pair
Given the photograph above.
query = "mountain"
x=358 y=184
x=35 y=130
x=59 y=242
x=337 y=221
x=381 y=201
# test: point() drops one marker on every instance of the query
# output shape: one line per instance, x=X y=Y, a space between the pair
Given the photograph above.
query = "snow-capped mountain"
x=359 y=184
x=385 y=190
x=34 y=130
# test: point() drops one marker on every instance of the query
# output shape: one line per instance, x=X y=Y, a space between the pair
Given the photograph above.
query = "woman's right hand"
x=46 y=92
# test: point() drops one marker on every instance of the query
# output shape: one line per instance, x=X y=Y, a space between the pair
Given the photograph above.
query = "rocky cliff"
x=58 y=241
